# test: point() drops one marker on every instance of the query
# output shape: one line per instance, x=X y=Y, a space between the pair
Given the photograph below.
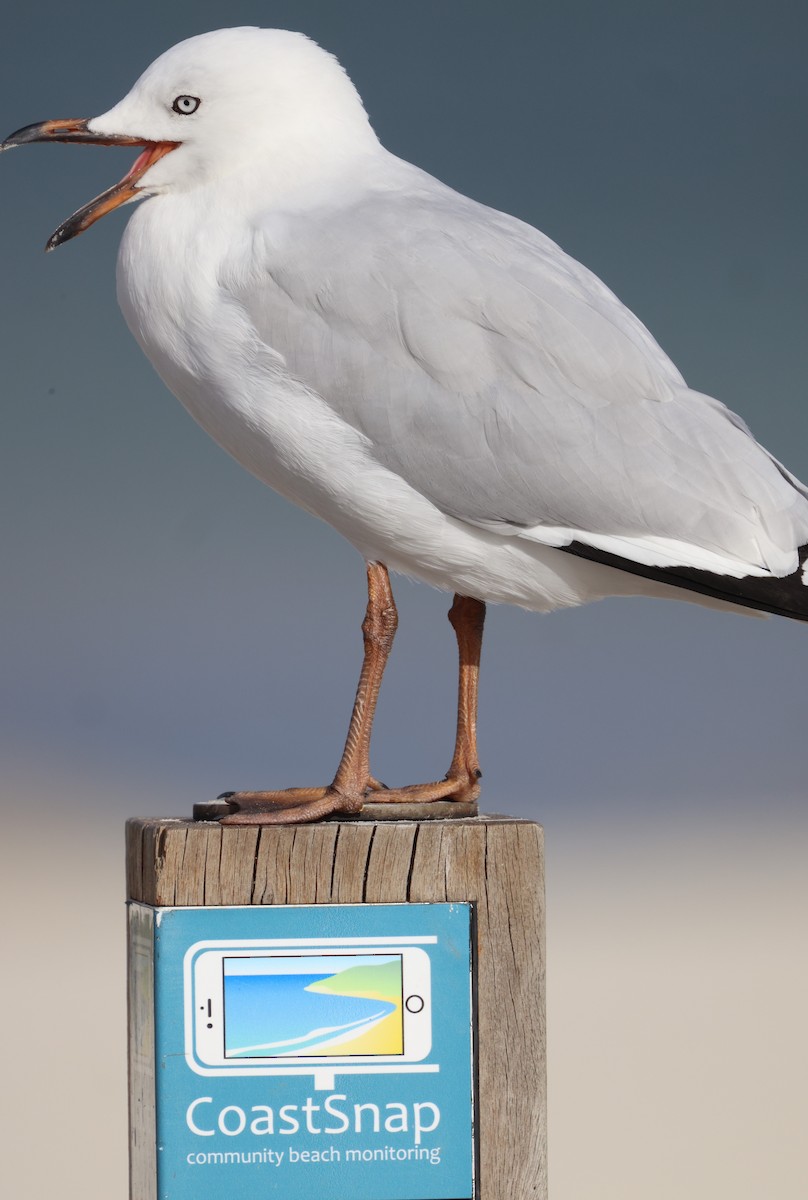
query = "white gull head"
x=267 y=108
x=241 y=97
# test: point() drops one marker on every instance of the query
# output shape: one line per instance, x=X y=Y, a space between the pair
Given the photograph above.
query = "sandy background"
x=677 y=993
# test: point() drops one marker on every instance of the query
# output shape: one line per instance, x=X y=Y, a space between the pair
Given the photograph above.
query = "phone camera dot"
x=210 y=1025
x=414 y=1004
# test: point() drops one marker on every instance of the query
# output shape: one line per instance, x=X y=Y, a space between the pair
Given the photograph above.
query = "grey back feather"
x=504 y=381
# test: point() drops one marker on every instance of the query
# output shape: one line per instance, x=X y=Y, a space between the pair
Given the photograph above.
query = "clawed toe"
x=294 y=806
x=297 y=806
x=456 y=789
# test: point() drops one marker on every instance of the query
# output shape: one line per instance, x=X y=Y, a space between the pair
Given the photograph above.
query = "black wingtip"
x=782 y=596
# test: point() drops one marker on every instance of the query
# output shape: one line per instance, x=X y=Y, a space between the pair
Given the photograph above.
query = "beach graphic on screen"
x=337 y=1005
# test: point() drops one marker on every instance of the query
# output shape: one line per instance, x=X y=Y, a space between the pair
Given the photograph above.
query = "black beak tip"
x=28 y=133
x=70 y=130
x=63 y=234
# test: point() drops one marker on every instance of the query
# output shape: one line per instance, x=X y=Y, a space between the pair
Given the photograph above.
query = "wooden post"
x=493 y=862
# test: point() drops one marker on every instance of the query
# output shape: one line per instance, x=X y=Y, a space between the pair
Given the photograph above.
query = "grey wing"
x=506 y=383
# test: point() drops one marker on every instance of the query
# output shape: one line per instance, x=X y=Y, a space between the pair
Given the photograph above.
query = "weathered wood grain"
x=495 y=863
x=142 y=1125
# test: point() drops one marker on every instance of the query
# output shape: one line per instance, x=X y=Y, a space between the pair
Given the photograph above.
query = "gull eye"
x=185 y=105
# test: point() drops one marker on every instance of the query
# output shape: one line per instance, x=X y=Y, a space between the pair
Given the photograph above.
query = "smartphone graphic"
x=277 y=1008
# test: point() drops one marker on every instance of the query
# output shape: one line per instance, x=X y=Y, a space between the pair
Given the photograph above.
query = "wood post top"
x=173 y=861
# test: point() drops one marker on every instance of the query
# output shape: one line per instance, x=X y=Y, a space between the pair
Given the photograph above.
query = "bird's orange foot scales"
x=297 y=806
x=461 y=789
x=273 y=808
x=292 y=806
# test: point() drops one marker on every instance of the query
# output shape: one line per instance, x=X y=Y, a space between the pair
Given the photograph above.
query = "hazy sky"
x=170 y=628
x=172 y=624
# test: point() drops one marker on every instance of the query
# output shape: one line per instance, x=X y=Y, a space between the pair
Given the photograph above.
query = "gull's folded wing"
x=507 y=384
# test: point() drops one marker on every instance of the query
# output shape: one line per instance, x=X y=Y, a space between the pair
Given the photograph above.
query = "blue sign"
x=322 y=1049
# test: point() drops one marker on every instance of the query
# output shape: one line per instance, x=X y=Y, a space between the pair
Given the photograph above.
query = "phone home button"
x=414 y=1004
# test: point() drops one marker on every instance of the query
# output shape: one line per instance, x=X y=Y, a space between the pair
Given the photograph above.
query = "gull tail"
x=786 y=596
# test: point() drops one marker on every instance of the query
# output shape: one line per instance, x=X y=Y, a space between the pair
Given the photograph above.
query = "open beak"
x=114 y=197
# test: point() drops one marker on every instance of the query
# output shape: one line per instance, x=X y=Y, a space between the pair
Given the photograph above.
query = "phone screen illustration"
x=319 y=1005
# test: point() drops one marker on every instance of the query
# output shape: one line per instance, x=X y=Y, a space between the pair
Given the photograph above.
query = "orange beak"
x=122 y=193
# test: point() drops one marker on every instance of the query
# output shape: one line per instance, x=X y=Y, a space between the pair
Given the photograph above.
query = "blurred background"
x=171 y=629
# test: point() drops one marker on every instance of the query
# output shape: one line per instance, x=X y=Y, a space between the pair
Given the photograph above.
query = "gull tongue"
x=141 y=162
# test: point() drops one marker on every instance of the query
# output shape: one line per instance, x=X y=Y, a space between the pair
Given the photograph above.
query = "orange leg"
x=467 y=617
x=353 y=779
x=353 y=783
x=461 y=781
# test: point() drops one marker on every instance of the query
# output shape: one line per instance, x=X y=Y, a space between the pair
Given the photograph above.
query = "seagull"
x=463 y=401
